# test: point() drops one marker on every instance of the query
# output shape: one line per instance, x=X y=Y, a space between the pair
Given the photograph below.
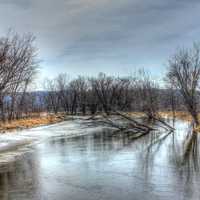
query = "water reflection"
x=19 y=180
x=159 y=165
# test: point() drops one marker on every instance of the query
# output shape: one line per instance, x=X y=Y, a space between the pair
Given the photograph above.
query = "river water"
x=96 y=165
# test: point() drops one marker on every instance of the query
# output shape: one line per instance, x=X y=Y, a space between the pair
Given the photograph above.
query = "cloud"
x=79 y=33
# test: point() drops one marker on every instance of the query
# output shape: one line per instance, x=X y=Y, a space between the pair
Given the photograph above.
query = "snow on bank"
x=12 y=144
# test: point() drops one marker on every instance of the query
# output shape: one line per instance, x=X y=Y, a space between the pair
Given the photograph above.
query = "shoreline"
x=178 y=114
x=49 y=119
x=31 y=122
x=15 y=140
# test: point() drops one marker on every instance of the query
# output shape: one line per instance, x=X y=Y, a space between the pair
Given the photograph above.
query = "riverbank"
x=181 y=115
x=184 y=116
x=48 y=119
x=178 y=114
x=14 y=143
x=31 y=122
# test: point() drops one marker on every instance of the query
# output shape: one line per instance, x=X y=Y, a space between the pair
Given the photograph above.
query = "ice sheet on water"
x=11 y=143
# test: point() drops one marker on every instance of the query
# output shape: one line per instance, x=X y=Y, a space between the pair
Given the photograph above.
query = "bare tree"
x=149 y=97
x=113 y=93
x=18 y=65
x=104 y=89
x=82 y=84
x=184 y=74
x=52 y=98
x=62 y=82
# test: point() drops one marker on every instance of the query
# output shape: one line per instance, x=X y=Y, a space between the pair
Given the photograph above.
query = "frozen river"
x=92 y=165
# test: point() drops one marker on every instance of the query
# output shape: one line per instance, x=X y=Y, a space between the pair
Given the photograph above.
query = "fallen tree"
x=109 y=89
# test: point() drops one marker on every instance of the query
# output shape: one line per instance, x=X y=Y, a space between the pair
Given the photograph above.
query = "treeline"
x=107 y=93
x=92 y=95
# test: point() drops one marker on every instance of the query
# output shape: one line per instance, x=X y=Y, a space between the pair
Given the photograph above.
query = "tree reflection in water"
x=19 y=180
x=190 y=159
x=182 y=152
x=154 y=164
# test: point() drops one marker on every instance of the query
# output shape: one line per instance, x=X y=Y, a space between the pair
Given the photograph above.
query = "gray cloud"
x=81 y=36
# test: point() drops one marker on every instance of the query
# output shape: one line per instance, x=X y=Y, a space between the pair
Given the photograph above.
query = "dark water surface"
x=160 y=165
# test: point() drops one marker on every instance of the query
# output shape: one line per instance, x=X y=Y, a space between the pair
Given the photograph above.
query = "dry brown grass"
x=182 y=116
x=135 y=114
x=31 y=122
x=179 y=115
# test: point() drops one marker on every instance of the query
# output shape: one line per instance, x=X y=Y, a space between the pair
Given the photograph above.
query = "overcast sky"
x=112 y=36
